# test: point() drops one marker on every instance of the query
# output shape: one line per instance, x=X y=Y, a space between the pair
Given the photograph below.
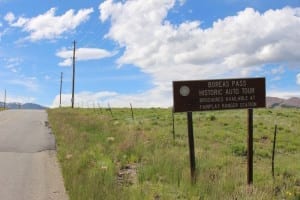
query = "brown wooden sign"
x=219 y=94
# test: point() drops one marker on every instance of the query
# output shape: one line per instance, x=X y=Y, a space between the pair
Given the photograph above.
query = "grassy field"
x=112 y=156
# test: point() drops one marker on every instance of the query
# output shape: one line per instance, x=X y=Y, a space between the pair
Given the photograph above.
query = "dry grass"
x=105 y=157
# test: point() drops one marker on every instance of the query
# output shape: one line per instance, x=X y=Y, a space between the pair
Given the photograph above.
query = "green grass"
x=105 y=157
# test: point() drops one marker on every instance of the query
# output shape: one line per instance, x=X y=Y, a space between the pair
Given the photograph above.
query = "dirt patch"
x=127 y=175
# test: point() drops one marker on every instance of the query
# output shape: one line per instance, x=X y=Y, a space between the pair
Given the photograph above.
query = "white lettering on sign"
x=229 y=105
x=248 y=90
x=232 y=91
x=209 y=106
x=239 y=83
x=252 y=98
x=218 y=84
x=248 y=104
x=211 y=100
x=213 y=92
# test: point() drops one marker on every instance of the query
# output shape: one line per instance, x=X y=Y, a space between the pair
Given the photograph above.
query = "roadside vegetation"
x=107 y=155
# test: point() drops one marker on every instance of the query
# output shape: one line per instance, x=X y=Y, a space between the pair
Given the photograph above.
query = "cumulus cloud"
x=142 y=100
x=19 y=99
x=81 y=98
x=238 y=45
x=20 y=22
x=82 y=54
x=48 y=25
x=248 y=39
x=283 y=94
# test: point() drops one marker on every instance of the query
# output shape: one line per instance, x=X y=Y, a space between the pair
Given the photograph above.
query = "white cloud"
x=28 y=83
x=82 y=54
x=298 y=79
x=234 y=46
x=66 y=63
x=19 y=99
x=182 y=2
x=48 y=25
x=1 y=34
x=83 y=98
x=12 y=64
x=20 y=22
x=245 y=40
x=283 y=94
x=3 y=30
x=276 y=73
x=142 y=100
x=278 y=70
x=9 y=17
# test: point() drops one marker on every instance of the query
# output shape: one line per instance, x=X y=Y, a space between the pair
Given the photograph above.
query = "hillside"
x=116 y=156
x=273 y=102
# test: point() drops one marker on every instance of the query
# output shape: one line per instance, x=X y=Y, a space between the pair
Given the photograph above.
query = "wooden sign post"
x=250 y=147
x=220 y=94
x=191 y=146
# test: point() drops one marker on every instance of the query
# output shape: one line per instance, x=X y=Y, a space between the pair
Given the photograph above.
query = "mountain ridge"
x=16 y=105
x=275 y=102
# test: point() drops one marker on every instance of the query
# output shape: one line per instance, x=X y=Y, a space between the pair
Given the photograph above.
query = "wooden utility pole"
x=61 y=77
x=73 y=82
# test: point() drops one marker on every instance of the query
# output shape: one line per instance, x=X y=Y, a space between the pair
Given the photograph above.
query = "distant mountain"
x=273 y=102
x=32 y=106
x=22 y=106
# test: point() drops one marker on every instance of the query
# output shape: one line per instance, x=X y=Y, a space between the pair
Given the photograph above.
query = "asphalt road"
x=29 y=169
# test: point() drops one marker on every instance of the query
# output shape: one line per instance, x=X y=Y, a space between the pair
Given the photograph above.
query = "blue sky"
x=131 y=51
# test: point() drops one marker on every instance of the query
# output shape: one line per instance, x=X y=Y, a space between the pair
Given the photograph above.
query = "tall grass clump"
x=106 y=156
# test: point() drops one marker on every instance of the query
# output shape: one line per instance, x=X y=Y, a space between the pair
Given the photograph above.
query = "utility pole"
x=73 y=82
x=4 y=99
x=61 y=77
